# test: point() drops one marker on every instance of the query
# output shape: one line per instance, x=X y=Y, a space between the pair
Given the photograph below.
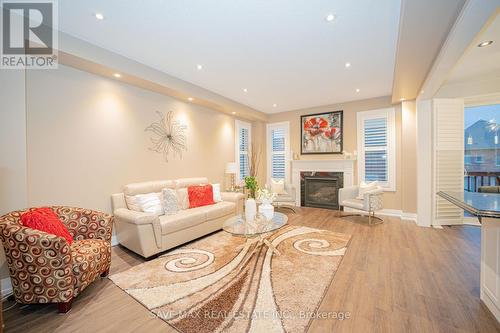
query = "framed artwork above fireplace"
x=322 y=133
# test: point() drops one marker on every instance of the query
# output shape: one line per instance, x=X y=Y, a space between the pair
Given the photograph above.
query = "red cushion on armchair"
x=44 y=219
x=200 y=195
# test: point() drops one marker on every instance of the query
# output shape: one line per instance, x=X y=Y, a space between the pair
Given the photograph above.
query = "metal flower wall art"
x=167 y=135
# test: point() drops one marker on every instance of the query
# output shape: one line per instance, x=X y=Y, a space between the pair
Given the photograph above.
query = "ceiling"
x=419 y=44
x=283 y=52
x=480 y=62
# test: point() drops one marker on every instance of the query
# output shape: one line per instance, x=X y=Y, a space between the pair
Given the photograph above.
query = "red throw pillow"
x=44 y=219
x=200 y=195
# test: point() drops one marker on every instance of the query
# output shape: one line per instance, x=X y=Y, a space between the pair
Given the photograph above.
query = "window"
x=480 y=144
x=468 y=159
x=242 y=147
x=278 y=150
x=377 y=147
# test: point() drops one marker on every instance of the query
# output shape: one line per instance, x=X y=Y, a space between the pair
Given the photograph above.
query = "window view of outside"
x=482 y=147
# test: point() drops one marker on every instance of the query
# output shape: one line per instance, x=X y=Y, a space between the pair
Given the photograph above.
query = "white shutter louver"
x=377 y=147
x=243 y=133
x=278 y=153
x=375 y=133
x=448 y=158
x=278 y=150
x=243 y=147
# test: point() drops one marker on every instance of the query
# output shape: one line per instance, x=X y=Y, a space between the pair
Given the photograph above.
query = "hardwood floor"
x=395 y=277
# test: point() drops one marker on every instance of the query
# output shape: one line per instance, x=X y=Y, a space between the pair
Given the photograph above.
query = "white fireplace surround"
x=346 y=166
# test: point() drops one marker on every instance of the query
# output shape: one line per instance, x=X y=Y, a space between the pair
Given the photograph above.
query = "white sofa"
x=147 y=234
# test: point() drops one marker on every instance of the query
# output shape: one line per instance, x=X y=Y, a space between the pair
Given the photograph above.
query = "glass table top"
x=237 y=225
x=479 y=204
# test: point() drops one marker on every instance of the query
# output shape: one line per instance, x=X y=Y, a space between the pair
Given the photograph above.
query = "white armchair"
x=371 y=202
x=286 y=200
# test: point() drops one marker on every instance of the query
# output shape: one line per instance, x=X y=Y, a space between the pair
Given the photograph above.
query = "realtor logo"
x=29 y=34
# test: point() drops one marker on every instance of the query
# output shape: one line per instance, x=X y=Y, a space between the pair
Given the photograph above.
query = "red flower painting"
x=322 y=133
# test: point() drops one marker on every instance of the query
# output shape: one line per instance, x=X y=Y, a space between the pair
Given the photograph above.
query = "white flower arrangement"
x=265 y=195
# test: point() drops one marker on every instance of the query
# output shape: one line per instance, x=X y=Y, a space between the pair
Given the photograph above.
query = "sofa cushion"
x=90 y=257
x=278 y=186
x=182 y=220
x=132 y=203
x=194 y=216
x=185 y=182
x=216 y=190
x=353 y=203
x=148 y=187
x=170 y=201
x=220 y=209
x=200 y=195
x=366 y=187
x=151 y=203
x=183 y=198
x=44 y=219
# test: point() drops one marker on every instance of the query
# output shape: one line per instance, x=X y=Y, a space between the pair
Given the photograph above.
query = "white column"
x=490 y=265
x=424 y=162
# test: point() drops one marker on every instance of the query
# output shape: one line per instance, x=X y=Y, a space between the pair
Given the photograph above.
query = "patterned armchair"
x=44 y=268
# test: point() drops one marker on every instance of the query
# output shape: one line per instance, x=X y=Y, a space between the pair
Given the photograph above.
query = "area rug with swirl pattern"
x=215 y=284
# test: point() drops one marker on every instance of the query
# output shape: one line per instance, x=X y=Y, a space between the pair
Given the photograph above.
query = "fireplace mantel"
x=332 y=165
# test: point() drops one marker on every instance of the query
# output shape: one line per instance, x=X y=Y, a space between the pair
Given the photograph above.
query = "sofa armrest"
x=86 y=223
x=373 y=199
x=235 y=197
x=345 y=193
x=131 y=216
x=290 y=190
x=138 y=231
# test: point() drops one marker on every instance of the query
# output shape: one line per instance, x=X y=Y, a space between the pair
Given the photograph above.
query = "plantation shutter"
x=278 y=162
x=278 y=150
x=244 y=144
x=448 y=158
x=375 y=147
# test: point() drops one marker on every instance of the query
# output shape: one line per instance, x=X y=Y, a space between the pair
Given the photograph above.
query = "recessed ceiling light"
x=117 y=75
x=199 y=67
x=357 y=90
x=402 y=99
x=245 y=89
x=347 y=64
x=190 y=99
x=275 y=105
x=233 y=112
x=485 y=43
x=99 y=16
x=330 y=17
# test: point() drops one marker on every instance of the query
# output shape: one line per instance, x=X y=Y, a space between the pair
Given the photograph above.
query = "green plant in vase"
x=251 y=185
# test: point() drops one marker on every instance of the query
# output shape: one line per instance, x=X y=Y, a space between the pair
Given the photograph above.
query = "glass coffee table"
x=258 y=231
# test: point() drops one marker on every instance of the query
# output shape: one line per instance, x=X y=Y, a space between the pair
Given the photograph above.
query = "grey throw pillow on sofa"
x=170 y=201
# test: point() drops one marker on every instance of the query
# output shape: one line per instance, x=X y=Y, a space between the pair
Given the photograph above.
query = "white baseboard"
x=471 y=221
x=6 y=287
x=409 y=216
x=114 y=240
x=388 y=212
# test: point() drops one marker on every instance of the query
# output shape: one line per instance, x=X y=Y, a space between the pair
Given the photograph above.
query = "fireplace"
x=320 y=189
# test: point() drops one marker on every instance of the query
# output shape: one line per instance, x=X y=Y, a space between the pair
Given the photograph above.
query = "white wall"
x=13 y=190
x=86 y=138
